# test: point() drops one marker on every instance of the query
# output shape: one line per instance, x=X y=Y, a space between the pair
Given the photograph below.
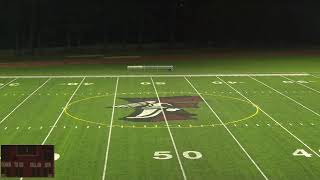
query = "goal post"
x=154 y=67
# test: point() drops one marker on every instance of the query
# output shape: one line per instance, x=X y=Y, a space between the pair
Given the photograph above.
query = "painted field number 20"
x=165 y=155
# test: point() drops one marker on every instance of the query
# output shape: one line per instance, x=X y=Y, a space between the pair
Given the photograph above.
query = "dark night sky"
x=48 y=23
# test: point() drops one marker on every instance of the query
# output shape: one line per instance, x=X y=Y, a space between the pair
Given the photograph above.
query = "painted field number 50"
x=164 y=155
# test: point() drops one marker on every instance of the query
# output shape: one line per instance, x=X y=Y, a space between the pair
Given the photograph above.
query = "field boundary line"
x=110 y=130
x=234 y=138
x=8 y=83
x=302 y=85
x=44 y=141
x=284 y=128
x=286 y=96
x=21 y=103
x=171 y=136
x=159 y=75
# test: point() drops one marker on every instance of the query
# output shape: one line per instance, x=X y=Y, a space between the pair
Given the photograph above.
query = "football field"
x=217 y=126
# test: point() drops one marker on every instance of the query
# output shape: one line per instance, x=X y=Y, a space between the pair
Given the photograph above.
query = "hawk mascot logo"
x=149 y=109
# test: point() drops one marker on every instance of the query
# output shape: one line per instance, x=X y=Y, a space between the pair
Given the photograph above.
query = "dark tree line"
x=30 y=24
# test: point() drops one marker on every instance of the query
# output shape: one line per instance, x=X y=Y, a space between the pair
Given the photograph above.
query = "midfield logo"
x=149 y=109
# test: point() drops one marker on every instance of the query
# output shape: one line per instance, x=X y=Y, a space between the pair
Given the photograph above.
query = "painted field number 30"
x=164 y=155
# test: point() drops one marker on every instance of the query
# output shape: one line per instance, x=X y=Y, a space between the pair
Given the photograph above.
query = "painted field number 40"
x=165 y=155
x=301 y=152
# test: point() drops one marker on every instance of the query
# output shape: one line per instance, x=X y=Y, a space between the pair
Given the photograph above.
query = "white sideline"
x=172 y=140
x=44 y=141
x=8 y=83
x=294 y=136
x=302 y=84
x=164 y=75
x=110 y=129
x=286 y=96
x=24 y=101
x=234 y=138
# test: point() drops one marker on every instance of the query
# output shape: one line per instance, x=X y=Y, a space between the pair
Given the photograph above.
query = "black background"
x=60 y=23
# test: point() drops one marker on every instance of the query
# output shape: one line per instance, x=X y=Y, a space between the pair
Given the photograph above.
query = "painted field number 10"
x=164 y=155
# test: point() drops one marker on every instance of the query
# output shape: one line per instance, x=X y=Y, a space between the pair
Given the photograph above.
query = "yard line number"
x=11 y=84
x=76 y=84
x=300 y=81
x=165 y=155
x=150 y=83
x=302 y=153
x=229 y=82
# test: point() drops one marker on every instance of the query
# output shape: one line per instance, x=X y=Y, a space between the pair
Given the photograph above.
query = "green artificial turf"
x=239 y=127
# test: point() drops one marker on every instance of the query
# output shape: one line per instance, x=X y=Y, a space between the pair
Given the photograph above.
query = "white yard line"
x=165 y=75
x=302 y=85
x=172 y=140
x=44 y=141
x=8 y=83
x=110 y=130
x=286 y=96
x=24 y=101
x=231 y=134
x=289 y=132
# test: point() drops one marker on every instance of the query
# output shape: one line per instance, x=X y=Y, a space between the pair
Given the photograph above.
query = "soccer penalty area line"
x=273 y=119
x=228 y=130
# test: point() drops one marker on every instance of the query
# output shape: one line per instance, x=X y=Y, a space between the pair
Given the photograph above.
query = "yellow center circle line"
x=164 y=126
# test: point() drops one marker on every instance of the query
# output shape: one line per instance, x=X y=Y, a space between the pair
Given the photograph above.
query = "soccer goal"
x=154 y=68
